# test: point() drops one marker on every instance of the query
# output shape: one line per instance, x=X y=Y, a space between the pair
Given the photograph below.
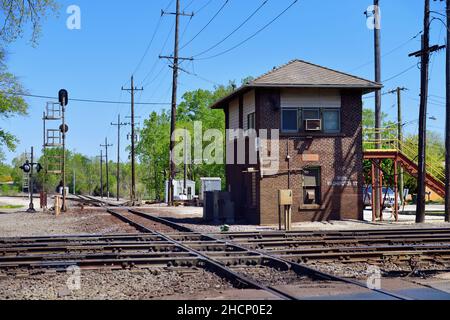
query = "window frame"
x=301 y=119
x=282 y=120
x=338 y=111
x=317 y=188
x=253 y=117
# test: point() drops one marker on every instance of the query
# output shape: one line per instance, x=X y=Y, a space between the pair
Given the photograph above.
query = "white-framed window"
x=289 y=120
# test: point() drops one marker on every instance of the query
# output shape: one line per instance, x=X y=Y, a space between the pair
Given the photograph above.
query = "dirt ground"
x=88 y=221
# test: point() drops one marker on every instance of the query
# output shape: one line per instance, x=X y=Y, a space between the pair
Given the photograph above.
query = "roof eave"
x=365 y=89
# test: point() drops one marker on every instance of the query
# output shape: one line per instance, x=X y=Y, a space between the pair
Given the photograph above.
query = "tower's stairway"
x=389 y=147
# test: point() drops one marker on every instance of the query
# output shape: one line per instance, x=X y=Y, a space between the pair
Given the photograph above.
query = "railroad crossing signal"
x=27 y=166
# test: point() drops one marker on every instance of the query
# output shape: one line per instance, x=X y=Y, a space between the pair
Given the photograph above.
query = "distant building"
x=178 y=189
x=318 y=112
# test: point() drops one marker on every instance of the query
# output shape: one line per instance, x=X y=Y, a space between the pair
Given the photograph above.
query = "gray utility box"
x=218 y=207
x=208 y=185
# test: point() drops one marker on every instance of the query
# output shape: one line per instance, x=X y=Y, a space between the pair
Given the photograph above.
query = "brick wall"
x=339 y=156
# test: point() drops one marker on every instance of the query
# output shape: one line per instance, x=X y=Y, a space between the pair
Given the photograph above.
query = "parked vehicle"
x=388 y=197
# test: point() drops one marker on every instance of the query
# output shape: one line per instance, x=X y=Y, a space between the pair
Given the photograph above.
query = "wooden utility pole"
x=119 y=125
x=447 y=132
x=133 y=90
x=175 y=66
x=106 y=146
x=425 y=59
x=378 y=114
x=101 y=173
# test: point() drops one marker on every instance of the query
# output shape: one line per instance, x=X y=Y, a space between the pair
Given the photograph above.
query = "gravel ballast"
x=113 y=285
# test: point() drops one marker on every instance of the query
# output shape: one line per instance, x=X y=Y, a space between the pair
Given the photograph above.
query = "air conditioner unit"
x=313 y=125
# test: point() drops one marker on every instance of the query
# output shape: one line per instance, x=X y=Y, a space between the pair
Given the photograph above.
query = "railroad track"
x=163 y=243
x=225 y=256
x=89 y=200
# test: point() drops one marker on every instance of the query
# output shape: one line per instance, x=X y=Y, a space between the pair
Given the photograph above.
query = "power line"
x=80 y=100
x=389 y=52
x=400 y=73
x=206 y=26
x=253 y=35
x=157 y=60
x=235 y=30
x=148 y=46
x=204 y=6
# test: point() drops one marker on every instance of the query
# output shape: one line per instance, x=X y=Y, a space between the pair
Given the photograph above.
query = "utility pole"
x=425 y=59
x=74 y=183
x=175 y=66
x=447 y=132
x=119 y=125
x=185 y=163
x=101 y=173
x=106 y=145
x=132 y=90
x=424 y=55
x=376 y=14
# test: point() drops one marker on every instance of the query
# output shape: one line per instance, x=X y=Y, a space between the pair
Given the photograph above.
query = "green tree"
x=10 y=105
x=154 y=145
x=17 y=14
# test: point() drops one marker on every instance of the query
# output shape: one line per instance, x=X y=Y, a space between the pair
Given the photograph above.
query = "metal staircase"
x=404 y=153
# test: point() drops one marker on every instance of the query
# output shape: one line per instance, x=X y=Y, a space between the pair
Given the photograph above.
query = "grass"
x=11 y=207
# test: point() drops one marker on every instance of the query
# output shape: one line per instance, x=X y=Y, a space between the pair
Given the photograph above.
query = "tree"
x=17 y=15
x=20 y=13
x=10 y=105
x=154 y=145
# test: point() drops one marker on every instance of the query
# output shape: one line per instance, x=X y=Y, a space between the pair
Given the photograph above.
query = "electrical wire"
x=253 y=35
x=400 y=73
x=207 y=24
x=148 y=46
x=204 y=6
x=234 y=31
x=21 y=94
x=390 y=51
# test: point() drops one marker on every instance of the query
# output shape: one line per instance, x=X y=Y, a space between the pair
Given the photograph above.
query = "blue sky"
x=94 y=62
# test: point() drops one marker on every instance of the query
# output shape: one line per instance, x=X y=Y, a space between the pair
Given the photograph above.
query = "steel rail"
x=319 y=234
x=296 y=267
x=212 y=265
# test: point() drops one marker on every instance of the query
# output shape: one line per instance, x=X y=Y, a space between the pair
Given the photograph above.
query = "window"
x=311 y=186
x=331 y=120
x=251 y=124
x=289 y=120
x=293 y=119
x=311 y=114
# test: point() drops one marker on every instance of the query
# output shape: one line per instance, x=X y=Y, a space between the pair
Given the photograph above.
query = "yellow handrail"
x=388 y=140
